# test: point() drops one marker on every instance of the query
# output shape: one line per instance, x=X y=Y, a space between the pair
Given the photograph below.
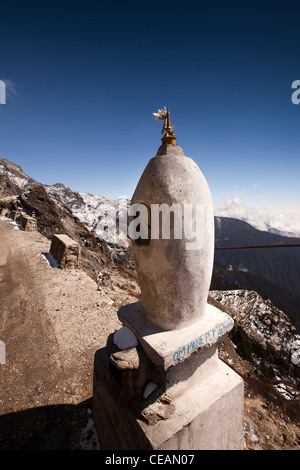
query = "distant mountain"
x=13 y=180
x=263 y=345
x=259 y=317
x=224 y=279
x=99 y=214
x=282 y=233
x=281 y=266
x=20 y=192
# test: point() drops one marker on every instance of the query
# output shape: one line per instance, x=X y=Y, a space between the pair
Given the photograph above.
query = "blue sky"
x=84 y=77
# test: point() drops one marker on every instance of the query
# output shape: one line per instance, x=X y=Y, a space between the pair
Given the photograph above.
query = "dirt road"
x=51 y=321
x=25 y=329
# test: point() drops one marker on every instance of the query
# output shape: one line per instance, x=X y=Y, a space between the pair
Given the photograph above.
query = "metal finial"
x=164 y=115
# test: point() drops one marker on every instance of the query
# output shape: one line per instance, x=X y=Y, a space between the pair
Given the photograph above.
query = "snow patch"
x=107 y=218
x=88 y=436
x=150 y=387
x=259 y=317
x=125 y=339
x=50 y=260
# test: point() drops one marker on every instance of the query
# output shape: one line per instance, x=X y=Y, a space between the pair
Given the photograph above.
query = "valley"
x=82 y=309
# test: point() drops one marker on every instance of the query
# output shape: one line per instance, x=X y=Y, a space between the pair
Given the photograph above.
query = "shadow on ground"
x=55 y=427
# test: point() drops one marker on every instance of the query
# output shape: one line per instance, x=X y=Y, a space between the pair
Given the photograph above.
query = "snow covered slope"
x=14 y=177
x=260 y=318
x=105 y=217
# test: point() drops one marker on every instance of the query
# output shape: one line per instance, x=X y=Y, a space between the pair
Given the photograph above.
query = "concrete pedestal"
x=197 y=402
x=207 y=416
x=174 y=269
x=65 y=251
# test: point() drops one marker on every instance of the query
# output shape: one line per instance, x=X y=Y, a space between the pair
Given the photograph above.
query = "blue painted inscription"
x=210 y=336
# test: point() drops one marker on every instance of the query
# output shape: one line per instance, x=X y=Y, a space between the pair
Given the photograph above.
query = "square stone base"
x=167 y=348
x=207 y=415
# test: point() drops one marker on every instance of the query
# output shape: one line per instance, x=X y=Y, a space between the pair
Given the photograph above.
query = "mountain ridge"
x=278 y=266
x=271 y=380
x=224 y=278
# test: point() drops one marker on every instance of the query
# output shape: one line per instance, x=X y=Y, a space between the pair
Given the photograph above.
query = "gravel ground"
x=52 y=322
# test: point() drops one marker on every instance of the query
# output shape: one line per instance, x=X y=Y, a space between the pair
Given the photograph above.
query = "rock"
x=251 y=430
x=125 y=339
x=150 y=387
x=127 y=359
x=104 y=279
x=162 y=408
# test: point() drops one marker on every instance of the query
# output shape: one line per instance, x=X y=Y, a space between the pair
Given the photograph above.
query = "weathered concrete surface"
x=65 y=250
x=175 y=274
x=196 y=401
x=207 y=415
x=117 y=427
x=132 y=370
x=167 y=348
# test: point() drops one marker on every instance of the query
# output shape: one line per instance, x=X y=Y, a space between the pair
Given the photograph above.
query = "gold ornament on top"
x=164 y=115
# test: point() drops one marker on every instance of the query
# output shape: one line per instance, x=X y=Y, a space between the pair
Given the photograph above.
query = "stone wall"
x=3 y=211
x=65 y=251
x=29 y=224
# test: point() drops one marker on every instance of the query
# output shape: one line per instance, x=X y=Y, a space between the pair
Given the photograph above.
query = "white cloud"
x=284 y=220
